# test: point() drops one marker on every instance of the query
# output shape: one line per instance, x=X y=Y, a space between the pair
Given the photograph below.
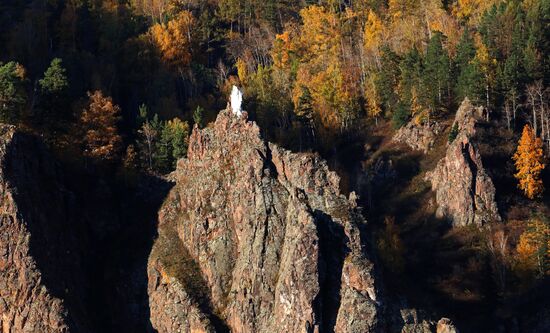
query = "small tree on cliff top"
x=529 y=163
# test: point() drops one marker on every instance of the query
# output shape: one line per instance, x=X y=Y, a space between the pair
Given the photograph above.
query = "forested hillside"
x=312 y=71
x=116 y=87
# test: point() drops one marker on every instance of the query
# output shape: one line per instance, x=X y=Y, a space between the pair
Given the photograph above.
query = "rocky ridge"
x=464 y=192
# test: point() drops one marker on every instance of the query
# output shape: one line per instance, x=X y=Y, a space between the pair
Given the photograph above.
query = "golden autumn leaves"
x=529 y=163
x=173 y=39
x=99 y=121
x=533 y=249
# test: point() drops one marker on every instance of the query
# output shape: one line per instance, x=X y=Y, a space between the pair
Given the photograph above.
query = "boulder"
x=419 y=136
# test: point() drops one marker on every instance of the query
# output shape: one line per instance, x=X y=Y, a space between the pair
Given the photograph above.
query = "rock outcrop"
x=465 y=193
x=445 y=325
x=40 y=274
x=417 y=136
x=253 y=238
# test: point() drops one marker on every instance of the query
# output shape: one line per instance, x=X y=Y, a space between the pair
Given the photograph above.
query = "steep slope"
x=253 y=238
x=40 y=271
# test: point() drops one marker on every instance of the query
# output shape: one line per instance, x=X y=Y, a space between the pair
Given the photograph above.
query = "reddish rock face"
x=253 y=238
x=464 y=191
x=419 y=137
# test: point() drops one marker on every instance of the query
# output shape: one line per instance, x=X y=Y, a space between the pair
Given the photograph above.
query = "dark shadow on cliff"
x=333 y=251
x=119 y=261
x=49 y=212
x=91 y=235
x=179 y=264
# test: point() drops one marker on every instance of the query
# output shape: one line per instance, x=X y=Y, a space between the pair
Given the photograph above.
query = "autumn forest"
x=115 y=88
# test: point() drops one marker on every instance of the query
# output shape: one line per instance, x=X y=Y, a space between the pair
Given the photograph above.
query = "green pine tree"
x=53 y=88
x=436 y=75
x=55 y=79
x=401 y=115
x=198 y=116
x=180 y=135
x=469 y=77
x=387 y=79
x=411 y=80
x=12 y=94
x=453 y=133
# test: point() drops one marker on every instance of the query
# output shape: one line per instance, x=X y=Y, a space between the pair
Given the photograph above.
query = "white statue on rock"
x=236 y=101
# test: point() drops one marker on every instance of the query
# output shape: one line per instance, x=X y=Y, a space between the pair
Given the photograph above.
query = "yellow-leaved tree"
x=532 y=252
x=529 y=163
x=372 y=101
x=471 y=10
x=173 y=39
x=323 y=69
x=373 y=37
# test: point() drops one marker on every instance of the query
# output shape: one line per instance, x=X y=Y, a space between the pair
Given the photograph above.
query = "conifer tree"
x=436 y=76
x=55 y=78
x=53 y=89
x=469 y=77
x=387 y=79
x=529 y=163
x=303 y=108
x=12 y=95
x=198 y=115
x=180 y=136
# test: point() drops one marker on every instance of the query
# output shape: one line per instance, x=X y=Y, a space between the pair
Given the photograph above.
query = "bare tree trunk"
x=487 y=97
x=534 y=119
x=540 y=92
x=515 y=106
x=531 y=93
x=507 y=111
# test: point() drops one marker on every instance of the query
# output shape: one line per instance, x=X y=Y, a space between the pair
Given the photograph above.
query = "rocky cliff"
x=253 y=238
x=465 y=193
x=420 y=137
x=40 y=273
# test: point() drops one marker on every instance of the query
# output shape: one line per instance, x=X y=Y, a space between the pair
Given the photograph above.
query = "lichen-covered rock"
x=465 y=193
x=40 y=275
x=419 y=136
x=415 y=323
x=265 y=242
x=467 y=116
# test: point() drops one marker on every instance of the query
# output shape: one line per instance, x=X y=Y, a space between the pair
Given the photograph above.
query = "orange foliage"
x=282 y=50
x=331 y=81
x=98 y=121
x=532 y=250
x=471 y=11
x=372 y=101
x=174 y=39
x=529 y=163
x=242 y=71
